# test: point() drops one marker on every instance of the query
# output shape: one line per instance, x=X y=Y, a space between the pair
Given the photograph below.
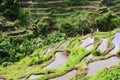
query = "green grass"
x=73 y=43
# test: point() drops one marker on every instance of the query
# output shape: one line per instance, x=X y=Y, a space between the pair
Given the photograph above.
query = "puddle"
x=60 y=59
x=87 y=41
x=47 y=51
x=116 y=42
x=33 y=76
x=97 y=65
x=102 y=47
x=66 y=76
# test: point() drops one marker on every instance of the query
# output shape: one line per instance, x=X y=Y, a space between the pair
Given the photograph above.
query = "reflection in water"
x=116 y=42
x=60 y=59
x=97 y=65
x=102 y=47
x=87 y=41
x=66 y=76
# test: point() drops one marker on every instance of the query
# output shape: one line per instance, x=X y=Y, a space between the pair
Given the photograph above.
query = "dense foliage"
x=56 y=21
x=107 y=74
x=14 y=49
x=10 y=9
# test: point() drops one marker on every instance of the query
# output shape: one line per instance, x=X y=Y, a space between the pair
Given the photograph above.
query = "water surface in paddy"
x=64 y=44
x=47 y=51
x=87 y=41
x=102 y=47
x=116 y=42
x=90 y=47
x=97 y=65
x=60 y=59
x=66 y=76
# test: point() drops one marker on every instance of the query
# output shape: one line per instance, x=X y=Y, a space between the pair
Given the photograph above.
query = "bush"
x=10 y=9
x=67 y=28
x=4 y=64
x=96 y=52
x=41 y=3
x=108 y=22
x=34 y=61
x=18 y=48
x=42 y=28
x=45 y=26
x=54 y=38
x=118 y=52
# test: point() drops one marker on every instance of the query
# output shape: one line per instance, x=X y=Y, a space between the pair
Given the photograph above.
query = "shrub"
x=45 y=26
x=96 y=52
x=4 y=64
x=41 y=3
x=118 y=52
x=67 y=28
x=108 y=22
x=10 y=9
x=54 y=38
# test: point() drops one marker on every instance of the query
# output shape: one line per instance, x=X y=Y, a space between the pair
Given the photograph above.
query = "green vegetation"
x=77 y=2
x=10 y=9
x=41 y=2
x=29 y=28
x=107 y=74
x=96 y=53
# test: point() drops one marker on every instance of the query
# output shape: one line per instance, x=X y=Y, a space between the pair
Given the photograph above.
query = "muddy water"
x=97 y=65
x=102 y=47
x=34 y=77
x=66 y=76
x=116 y=42
x=87 y=41
x=60 y=59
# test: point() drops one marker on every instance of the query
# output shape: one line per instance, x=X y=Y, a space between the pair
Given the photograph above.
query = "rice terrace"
x=59 y=39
